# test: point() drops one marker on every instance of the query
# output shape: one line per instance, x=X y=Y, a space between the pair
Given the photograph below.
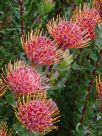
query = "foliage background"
x=68 y=91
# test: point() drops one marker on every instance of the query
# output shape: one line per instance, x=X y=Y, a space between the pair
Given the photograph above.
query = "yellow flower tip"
x=4 y=130
x=54 y=22
x=99 y=86
x=98 y=5
x=30 y=37
x=2 y=88
x=37 y=113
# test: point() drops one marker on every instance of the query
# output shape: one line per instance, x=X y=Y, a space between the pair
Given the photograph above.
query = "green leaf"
x=99 y=36
x=45 y=6
x=18 y=128
x=75 y=66
x=10 y=98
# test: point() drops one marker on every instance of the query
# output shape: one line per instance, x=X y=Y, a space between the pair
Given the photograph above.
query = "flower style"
x=2 y=88
x=87 y=18
x=99 y=86
x=37 y=113
x=40 y=49
x=67 y=34
x=23 y=79
x=98 y=5
x=3 y=130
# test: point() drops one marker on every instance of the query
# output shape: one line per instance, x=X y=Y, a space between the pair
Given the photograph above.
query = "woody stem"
x=90 y=87
x=21 y=8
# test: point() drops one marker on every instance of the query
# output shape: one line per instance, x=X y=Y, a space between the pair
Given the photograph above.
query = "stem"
x=48 y=70
x=21 y=8
x=90 y=87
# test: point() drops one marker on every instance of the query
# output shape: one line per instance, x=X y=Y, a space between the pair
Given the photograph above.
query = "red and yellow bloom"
x=67 y=34
x=37 y=113
x=87 y=17
x=40 y=49
x=23 y=79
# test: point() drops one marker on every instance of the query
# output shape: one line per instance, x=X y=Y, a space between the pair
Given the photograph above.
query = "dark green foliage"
x=70 y=85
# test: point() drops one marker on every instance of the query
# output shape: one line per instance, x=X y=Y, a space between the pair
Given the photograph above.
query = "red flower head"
x=99 y=86
x=23 y=79
x=36 y=113
x=67 y=34
x=87 y=18
x=4 y=131
x=40 y=49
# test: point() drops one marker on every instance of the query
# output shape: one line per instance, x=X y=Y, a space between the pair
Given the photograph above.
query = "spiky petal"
x=87 y=18
x=3 y=130
x=40 y=49
x=67 y=34
x=99 y=86
x=98 y=5
x=23 y=79
x=37 y=113
x=2 y=88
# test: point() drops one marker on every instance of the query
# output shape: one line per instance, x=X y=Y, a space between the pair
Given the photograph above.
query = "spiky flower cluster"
x=67 y=34
x=99 y=86
x=33 y=109
x=23 y=79
x=87 y=18
x=3 y=130
x=37 y=113
x=40 y=49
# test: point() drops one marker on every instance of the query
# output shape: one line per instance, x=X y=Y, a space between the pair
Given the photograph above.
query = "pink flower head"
x=3 y=130
x=40 y=49
x=67 y=34
x=99 y=86
x=87 y=18
x=37 y=113
x=23 y=79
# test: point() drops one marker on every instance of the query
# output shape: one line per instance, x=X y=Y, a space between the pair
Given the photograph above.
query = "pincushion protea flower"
x=37 y=113
x=3 y=130
x=99 y=86
x=40 y=49
x=87 y=18
x=23 y=79
x=67 y=34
